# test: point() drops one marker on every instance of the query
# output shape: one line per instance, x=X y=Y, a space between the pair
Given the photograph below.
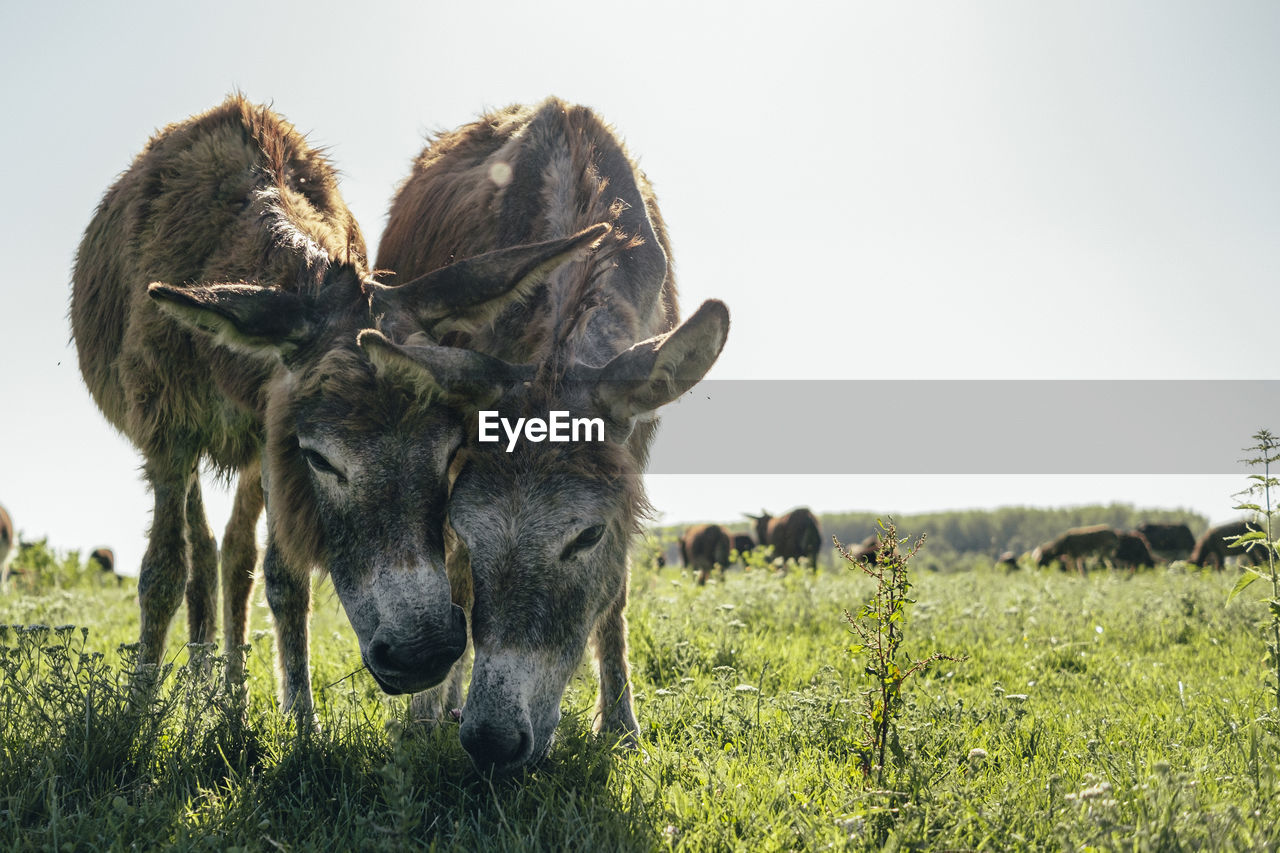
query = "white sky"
x=939 y=190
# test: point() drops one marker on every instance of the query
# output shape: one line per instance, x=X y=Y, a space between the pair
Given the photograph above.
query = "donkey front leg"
x=615 y=712
x=239 y=560
x=289 y=595
x=202 y=581
x=163 y=572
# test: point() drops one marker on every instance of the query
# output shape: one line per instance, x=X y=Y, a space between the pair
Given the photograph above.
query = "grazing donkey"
x=218 y=294
x=705 y=547
x=545 y=526
x=7 y=541
x=793 y=536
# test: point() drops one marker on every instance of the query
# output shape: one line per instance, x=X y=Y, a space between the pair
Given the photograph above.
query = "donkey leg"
x=289 y=594
x=202 y=581
x=615 y=712
x=239 y=559
x=164 y=565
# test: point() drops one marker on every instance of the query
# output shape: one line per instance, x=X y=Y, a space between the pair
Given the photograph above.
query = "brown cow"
x=705 y=547
x=794 y=536
x=1133 y=551
x=1216 y=544
x=1168 y=541
x=743 y=544
x=217 y=298
x=1074 y=548
x=1008 y=560
x=545 y=526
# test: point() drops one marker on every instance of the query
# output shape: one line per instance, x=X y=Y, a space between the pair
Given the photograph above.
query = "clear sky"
x=951 y=190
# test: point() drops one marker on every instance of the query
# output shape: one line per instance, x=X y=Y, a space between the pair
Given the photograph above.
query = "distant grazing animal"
x=1215 y=545
x=7 y=541
x=105 y=559
x=1168 y=541
x=794 y=536
x=1008 y=561
x=1132 y=551
x=546 y=524
x=743 y=544
x=217 y=297
x=869 y=549
x=705 y=547
x=1078 y=545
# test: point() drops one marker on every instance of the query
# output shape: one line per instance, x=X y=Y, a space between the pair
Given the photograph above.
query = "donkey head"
x=546 y=525
x=356 y=458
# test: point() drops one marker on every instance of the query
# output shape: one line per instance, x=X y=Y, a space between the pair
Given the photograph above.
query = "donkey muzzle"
x=413 y=664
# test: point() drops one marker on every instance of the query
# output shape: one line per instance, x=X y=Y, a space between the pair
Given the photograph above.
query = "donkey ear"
x=657 y=371
x=242 y=316
x=469 y=294
x=460 y=376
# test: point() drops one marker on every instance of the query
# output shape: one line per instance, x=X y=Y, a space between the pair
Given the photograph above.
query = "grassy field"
x=1110 y=712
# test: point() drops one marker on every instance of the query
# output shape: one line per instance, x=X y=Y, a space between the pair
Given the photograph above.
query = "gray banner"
x=964 y=427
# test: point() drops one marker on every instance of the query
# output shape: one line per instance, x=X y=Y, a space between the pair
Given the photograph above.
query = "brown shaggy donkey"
x=545 y=527
x=218 y=294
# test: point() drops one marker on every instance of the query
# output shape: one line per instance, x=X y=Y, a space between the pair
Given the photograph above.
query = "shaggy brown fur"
x=794 y=536
x=1215 y=545
x=233 y=194
x=244 y=354
x=705 y=547
x=594 y=338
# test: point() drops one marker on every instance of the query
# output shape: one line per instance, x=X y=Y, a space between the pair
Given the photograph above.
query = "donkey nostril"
x=380 y=656
x=495 y=747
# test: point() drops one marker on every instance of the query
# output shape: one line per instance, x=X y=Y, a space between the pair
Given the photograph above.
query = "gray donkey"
x=217 y=297
x=543 y=524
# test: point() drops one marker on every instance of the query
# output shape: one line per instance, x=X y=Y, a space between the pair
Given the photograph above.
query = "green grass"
x=1111 y=712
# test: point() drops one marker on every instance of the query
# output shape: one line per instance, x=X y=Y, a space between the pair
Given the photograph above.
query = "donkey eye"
x=321 y=465
x=583 y=541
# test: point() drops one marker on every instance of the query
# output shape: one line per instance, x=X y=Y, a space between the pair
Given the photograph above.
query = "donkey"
x=545 y=527
x=217 y=298
x=793 y=536
x=705 y=547
x=7 y=542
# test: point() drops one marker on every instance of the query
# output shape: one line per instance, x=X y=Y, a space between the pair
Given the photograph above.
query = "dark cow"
x=743 y=544
x=1075 y=548
x=705 y=547
x=1133 y=551
x=1215 y=545
x=794 y=536
x=1168 y=541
